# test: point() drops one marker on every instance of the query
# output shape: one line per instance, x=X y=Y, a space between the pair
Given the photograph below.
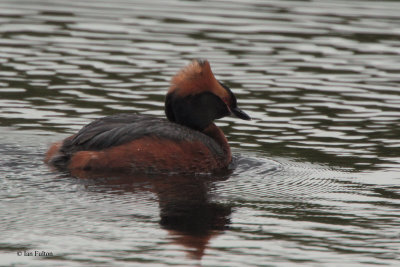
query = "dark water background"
x=316 y=178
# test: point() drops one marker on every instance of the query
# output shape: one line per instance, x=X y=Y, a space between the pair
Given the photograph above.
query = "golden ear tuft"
x=205 y=68
x=194 y=78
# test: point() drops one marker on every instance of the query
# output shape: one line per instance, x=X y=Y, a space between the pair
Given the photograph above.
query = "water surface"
x=316 y=174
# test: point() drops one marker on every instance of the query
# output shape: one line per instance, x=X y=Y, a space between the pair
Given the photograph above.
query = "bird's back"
x=133 y=142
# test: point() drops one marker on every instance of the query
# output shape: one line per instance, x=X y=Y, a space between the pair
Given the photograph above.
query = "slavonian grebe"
x=188 y=142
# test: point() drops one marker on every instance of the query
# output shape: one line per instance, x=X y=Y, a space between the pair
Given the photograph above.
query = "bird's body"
x=188 y=142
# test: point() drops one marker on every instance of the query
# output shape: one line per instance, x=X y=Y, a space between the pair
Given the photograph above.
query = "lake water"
x=315 y=179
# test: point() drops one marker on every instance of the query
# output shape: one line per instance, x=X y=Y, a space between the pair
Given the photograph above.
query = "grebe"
x=188 y=142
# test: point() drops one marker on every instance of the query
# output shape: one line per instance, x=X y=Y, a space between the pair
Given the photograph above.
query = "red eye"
x=226 y=100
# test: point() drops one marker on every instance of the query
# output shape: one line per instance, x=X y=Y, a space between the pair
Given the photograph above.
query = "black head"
x=195 y=98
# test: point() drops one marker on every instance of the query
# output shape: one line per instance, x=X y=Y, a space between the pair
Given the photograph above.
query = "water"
x=316 y=173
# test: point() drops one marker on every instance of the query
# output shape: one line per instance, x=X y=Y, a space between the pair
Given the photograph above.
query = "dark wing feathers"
x=122 y=128
x=104 y=125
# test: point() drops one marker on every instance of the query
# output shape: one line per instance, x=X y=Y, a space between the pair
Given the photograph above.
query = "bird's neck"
x=218 y=135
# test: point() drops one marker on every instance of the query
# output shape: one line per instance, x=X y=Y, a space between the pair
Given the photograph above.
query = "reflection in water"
x=186 y=209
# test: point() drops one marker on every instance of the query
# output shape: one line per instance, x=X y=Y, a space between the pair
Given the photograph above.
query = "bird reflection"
x=189 y=215
x=187 y=211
